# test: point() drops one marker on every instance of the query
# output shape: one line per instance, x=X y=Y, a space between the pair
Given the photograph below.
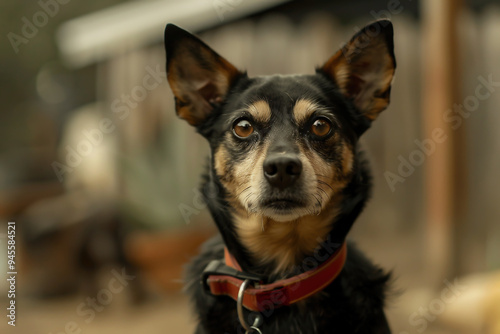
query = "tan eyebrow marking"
x=260 y=110
x=303 y=109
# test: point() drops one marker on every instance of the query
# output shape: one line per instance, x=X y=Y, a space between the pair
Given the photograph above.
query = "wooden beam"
x=445 y=169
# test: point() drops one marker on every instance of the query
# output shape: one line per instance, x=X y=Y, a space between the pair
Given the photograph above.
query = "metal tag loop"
x=253 y=330
x=241 y=316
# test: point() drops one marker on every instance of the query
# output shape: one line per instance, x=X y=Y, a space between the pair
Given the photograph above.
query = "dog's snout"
x=282 y=171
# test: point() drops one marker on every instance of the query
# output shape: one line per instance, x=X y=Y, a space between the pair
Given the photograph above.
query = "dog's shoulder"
x=363 y=287
x=213 y=249
x=207 y=309
x=363 y=276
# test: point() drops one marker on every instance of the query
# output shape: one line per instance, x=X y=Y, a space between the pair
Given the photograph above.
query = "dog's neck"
x=277 y=249
x=283 y=245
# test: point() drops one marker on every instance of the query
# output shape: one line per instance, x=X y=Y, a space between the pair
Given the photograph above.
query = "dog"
x=285 y=181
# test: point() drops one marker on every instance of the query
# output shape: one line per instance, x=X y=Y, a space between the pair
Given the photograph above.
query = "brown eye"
x=243 y=128
x=321 y=127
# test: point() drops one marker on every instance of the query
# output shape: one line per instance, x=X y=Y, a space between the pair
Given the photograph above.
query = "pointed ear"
x=198 y=76
x=363 y=69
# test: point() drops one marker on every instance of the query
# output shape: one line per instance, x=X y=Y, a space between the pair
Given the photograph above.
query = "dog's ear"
x=363 y=68
x=198 y=76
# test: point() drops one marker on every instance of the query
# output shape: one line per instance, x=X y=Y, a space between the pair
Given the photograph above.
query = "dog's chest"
x=283 y=245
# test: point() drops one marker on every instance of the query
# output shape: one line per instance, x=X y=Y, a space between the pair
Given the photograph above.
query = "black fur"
x=354 y=302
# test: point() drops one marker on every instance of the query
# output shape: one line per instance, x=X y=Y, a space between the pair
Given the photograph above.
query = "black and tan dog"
x=285 y=182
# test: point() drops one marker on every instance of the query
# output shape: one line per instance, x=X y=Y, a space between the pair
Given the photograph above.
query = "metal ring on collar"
x=253 y=329
x=239 y=305
x=241 y=317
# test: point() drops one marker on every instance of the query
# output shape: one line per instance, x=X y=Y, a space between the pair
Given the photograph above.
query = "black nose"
x=281 y=171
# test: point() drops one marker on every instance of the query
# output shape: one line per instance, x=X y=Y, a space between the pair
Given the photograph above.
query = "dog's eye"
x=242 y=128
x=321 y=127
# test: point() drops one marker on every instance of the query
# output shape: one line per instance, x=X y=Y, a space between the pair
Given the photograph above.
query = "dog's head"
x=282 y=147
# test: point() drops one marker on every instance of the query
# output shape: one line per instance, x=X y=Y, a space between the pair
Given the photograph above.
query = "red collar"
x=260 y=297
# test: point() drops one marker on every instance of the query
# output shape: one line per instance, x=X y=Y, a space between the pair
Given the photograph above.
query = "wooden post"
x=445 y=169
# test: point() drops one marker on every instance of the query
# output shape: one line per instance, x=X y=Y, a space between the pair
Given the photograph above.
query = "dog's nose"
x=282 y=171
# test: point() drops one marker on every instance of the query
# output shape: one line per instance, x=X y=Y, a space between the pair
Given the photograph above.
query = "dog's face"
x=282 y=147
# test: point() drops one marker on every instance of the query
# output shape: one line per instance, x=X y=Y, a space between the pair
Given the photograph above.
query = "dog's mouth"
x=284 y=209
x=282 y=204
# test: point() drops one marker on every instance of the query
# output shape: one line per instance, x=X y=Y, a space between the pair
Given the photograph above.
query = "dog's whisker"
x=246 y=175
x=243 y=191
x=322 y=190
x=289 y=96
x=247 y=197
x=326 y=183
x=319 y=206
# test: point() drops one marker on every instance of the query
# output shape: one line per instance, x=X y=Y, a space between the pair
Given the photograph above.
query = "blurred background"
x=101 y=177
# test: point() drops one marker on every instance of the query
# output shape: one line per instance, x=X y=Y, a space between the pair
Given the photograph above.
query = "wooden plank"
x=445 y=168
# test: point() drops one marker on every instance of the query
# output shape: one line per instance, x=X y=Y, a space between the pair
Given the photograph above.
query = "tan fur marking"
x=260 y=111
x=324 y=172
x=244 y=179
x=347 y=159
x=303 y=109
x=335 y=182
x=221 y=158
x=284 y=243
